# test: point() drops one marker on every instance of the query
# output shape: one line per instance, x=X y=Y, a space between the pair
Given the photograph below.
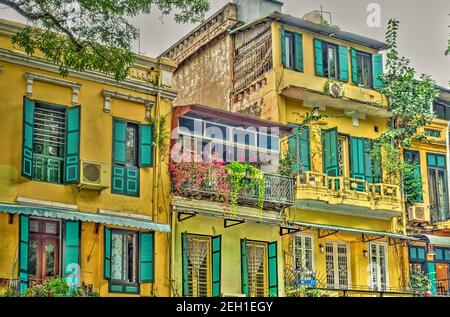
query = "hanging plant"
x=245 y=176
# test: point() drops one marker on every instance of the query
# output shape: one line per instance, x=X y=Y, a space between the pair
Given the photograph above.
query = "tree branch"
x=42 y=16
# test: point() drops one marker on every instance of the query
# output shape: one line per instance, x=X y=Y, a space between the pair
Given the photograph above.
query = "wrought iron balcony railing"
x=439 y=213
x=278 y=192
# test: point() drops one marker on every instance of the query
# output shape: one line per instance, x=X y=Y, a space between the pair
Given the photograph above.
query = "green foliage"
x=420 y=283
x=410 y=101
x=447 y=52
x=162 y=140
x=57 y=287
x=245 y=176
x=92 y=34
x=286 y=164
x=307 y=291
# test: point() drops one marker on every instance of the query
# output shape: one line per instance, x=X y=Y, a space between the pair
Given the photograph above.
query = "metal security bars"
x=199 y=263
x=252 y=60
x=49 y=139
x=257 y=269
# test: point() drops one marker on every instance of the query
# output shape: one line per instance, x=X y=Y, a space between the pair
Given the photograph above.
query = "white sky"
x=423 y=35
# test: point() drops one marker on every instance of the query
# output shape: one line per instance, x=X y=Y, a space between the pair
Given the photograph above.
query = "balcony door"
x=378 y=266
x=337 y=264
x=438 y=187
x=44 y=250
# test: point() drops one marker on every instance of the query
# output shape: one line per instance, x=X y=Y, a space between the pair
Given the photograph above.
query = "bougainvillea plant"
x=199 y=179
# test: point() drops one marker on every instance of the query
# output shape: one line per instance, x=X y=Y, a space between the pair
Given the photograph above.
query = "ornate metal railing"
x=439 y=213
x=442 y=287
x=302 y=282
x=278 y=192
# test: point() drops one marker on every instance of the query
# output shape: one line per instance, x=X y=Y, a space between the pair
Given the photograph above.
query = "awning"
x=354 y=230
x=64 y=214
x=434 y=240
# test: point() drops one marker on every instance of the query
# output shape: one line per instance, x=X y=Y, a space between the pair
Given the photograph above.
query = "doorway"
x=44 y=250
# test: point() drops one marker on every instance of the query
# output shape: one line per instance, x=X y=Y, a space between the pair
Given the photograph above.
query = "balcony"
x=349 y=196
x=313 y=91
x=439 y=214
x=214 y=185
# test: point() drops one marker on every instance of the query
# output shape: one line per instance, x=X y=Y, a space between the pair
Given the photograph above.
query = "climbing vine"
x=245 y=177
x=162 y=140
x=410 y=101
x=314 y=121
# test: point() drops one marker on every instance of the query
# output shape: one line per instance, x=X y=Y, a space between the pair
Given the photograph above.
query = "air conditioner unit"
x=234 y=295
x=94 y=175
x=416 y=213
x=336 y=89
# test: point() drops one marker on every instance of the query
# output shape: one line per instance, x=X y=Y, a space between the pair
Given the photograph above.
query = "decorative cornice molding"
x=31 y=77
x=108 y=94
x=129 y=84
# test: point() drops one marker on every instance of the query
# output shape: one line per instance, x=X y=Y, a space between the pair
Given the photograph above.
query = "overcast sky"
x=423 y=35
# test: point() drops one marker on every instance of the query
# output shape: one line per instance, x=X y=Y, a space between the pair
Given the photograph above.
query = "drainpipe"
x=156 y=158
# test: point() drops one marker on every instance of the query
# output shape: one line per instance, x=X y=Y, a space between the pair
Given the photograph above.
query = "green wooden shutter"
x=431 y=266
x=283 y=47
x=318 y=56
x=146 y=268
x=354 y=67
x=145 y=145
x=273 y=269
x=343 y=63
x=330 y=152
x=304 y=152
x=23 y=253
x=370 y=175
x=299 y=148
x=27 y=145
x=132 y=181
x=293 y=148
x=377 y=70
x=119 y=148
x=298 y=52
x=118 y=180
x=107 y=254
x=357 y=157
x=72 y=159
x=244 y=268
x=72 y=251
x=184 y=262
x=216 y=250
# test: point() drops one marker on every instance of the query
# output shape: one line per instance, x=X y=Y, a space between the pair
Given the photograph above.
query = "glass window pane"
x=50 y=259
x=51 y=228
x=117 y=256
x=34 y=226
x=192 y=126
x=131 y=144
x=216 y=131
x=131 y=258
x=332 y=63
x=32 y=257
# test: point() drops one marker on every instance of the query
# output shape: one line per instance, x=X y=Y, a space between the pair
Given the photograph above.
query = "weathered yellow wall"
x=95 y=145
x=231 y=252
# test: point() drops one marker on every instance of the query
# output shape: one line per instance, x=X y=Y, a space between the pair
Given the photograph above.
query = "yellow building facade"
x=82 y=184
x=345 y=233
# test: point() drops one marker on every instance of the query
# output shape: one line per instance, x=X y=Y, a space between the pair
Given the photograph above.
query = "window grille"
x=337 y=265
x=378 y=266
x=49 y=138
x=303 y=256
x=199 y=259
x=257 y=269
